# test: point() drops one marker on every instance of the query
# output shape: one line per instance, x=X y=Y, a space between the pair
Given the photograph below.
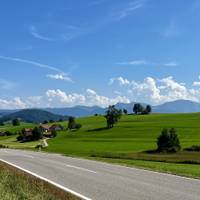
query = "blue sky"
x=98 y=52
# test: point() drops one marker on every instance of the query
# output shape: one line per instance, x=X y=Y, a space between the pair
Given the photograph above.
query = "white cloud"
x=171 y=30
x=120 y=80
x=34 y=33
x=6 y=85
x=62 y=76
x=144 y=62
x=196 y=83
x=171 y=64
x=127 y=9
x=134 y=62
x=36 y=64
x=158 y=91
x=90 y=98
x=15 y=103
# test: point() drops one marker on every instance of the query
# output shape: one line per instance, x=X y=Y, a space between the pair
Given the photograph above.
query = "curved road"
x=101 y=181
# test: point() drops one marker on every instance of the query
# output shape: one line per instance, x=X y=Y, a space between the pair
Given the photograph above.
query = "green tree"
x=37 y=134
x=125 y=111
x=138 y=108
x=148 y=109
x=15 y=122
x=2 y=123
x=168 y=141
x=112 y=116
x=71 y=123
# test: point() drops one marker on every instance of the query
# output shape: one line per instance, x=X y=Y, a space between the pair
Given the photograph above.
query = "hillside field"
x=129 y=140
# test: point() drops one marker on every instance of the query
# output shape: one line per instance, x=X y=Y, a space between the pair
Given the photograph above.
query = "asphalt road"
x=101 y=181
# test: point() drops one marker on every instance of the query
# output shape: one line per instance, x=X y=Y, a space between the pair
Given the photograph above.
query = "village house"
x=47 y=129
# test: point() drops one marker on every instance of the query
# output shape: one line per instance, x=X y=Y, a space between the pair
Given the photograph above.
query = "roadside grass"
x=17 y=185
x=129 y=141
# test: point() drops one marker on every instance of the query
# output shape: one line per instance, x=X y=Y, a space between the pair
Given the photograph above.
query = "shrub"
x=168 y=141
x=3 y=146
x=15 y=122
x=54 y=133
x=8 y=133
x=193 y=148
x=78 y=126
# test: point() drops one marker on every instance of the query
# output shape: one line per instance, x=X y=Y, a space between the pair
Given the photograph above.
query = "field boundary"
x=76 y=194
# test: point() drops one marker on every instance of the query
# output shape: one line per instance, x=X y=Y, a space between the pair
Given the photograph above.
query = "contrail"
x=36 y=64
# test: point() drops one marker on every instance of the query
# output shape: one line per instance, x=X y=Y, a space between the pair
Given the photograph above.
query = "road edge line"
x=47 y=180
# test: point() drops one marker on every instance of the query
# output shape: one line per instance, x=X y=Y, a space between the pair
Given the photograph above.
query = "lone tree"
x=138 y=108
x=125 y=111
x=148 y=109
x=37 y=134
x=15 y=122
x=112 y=116
x=168 y=141
x=71 y=123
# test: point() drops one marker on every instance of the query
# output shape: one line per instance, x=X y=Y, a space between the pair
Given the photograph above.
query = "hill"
x=33 y=116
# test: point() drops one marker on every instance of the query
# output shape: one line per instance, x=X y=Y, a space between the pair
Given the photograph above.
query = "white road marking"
x=80 y=168
x=47 y=180
x=23 y=155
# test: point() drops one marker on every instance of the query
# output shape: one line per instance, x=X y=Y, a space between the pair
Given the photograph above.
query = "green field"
x=127 y=142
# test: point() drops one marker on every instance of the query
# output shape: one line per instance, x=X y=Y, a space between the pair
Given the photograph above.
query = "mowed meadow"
x=131 y=134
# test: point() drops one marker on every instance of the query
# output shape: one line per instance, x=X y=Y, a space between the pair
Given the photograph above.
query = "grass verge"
x=17 y=185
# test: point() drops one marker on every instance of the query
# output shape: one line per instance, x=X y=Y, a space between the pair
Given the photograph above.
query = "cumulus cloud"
x=122 y=81
x=196 y=83
x=62 y=77
x=90 y=98
x=156 y=91
x=15 y=103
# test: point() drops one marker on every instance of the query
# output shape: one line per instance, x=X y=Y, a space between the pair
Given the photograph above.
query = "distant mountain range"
x=179 y=106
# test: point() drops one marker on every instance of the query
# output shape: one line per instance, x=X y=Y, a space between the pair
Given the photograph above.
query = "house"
x=56 y=127
x=28 y=132
x=48 y=129
x=45 y=128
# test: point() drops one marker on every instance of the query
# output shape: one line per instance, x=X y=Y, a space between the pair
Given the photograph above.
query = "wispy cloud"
x=127 y=9
x=6 y=84
x=171 y=30
x=144 y=62
x=134 y=62
x=33 y=63
x=34 y=32
x=171 y=64
x=61 y=76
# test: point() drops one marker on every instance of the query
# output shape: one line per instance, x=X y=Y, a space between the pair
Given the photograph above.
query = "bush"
x=168 y=141
x=78 y=126
x=20 y=138
x=54 y=133
x=15 y=122
x=8 y=133
x=193 y=148
x=3 y=146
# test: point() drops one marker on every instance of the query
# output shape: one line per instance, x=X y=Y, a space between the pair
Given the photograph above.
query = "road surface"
x=101 y=181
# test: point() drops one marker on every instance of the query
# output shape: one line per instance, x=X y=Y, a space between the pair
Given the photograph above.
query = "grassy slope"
x=11 y=140
x=131 y=135
x=15 y=185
